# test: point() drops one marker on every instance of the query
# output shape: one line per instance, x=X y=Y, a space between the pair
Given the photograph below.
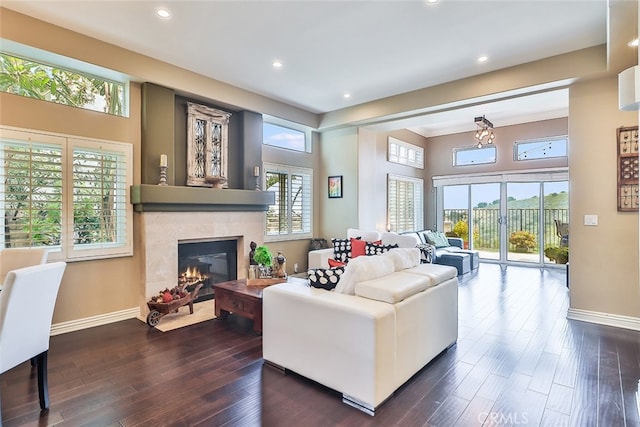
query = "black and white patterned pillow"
x=325 y=278
x=341 y=249
x=373 y=249
x=427 y=253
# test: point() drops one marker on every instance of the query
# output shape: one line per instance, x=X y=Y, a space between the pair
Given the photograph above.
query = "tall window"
x=290 y=216
x=67 y=194
x=405 y=199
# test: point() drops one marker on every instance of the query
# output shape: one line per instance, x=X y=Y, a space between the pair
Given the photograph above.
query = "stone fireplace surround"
x=160 y=233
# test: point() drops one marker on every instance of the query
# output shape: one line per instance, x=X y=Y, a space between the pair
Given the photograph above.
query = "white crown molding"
x=90 y=322
x=618 y=321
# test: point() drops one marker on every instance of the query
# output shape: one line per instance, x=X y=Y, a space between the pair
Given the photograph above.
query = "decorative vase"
x=216 y=181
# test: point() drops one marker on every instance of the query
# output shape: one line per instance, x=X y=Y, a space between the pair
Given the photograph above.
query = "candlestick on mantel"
x=256 y=175
x=163 y=160
x=163 y=176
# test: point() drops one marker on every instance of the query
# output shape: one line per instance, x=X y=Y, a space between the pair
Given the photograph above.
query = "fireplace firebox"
x=208 y=263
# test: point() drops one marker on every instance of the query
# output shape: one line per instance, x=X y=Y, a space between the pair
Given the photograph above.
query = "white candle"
x=163 y=160
x=256 y=171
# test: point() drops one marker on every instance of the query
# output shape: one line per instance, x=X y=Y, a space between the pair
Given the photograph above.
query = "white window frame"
x=290 y=170
x=418 y=202
x=456 y=163
x=68 y=250
x=288 y=125
x=405 y=153
x=72 y=65
x=517 y=144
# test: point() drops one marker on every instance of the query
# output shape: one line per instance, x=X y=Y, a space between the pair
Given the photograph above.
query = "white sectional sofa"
x=318 y=258
x=386 y=319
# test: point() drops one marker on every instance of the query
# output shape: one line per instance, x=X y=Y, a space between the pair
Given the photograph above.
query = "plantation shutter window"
x=405 y=203
x=31 y=177
x=291 y=214
x=99 y=198
x=277 y=215
x=69 y=195
x=300 y=203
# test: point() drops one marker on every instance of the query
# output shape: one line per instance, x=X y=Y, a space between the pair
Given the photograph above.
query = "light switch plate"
x=591 y=220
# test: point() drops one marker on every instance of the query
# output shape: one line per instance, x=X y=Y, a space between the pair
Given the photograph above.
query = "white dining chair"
x=27 y=301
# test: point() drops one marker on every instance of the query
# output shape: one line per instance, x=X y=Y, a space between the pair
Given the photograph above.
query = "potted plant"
x=524 y=241
x=558 y=254
x=264 y=259
x=461 y=228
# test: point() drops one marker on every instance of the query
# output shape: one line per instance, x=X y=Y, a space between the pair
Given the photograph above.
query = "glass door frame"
x=540 y=177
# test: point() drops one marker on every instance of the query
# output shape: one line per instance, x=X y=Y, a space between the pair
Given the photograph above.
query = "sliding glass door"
x=508 y=221
x=472 y=212
x=486 y=213
x=556 y=215
x=523 y=221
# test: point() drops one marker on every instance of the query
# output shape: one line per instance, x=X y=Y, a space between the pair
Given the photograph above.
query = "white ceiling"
x=371 y=49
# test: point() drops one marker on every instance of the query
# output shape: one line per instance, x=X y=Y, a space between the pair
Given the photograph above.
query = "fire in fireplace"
x=208 y=263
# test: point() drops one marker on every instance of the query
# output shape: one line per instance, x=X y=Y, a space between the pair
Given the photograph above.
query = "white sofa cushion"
x=393 y=288
x=402 y=240
x=438 y=273
x=368 y=236
x=404 y=258
x=361 y=269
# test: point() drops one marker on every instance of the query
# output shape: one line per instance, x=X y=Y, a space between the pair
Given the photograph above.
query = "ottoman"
x=475 y=258
x=474 y=255
x=461 y=261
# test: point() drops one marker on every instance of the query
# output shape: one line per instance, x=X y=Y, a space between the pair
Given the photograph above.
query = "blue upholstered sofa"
x=450 y=252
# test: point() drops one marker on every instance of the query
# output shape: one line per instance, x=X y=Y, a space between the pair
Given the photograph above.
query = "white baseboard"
x=90 y=322
x=616 y=320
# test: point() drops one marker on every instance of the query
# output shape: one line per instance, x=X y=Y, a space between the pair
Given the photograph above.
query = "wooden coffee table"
x=236 y=297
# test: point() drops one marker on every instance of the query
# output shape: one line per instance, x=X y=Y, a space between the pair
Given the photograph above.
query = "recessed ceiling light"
x=276 y=64
x=633 y=43
x=431 y=1
x=346 y=95
x=483 y=58
x=163 y=13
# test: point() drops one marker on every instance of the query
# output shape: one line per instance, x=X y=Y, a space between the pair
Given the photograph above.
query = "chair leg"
x=43 y=386
x=34 y=361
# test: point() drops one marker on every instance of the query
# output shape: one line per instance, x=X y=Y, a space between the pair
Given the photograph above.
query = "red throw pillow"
x=357 y=247
x=333 y=263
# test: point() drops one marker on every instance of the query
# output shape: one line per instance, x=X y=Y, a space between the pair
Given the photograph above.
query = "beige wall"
x=89 y=288
x=374 y=170
x=338 y=156
x=604 y=259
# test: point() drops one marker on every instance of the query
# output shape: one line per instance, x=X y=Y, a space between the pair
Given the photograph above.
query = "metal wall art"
x=207 y=145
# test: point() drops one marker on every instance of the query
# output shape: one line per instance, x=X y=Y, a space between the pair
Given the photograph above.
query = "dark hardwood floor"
x=518 y=361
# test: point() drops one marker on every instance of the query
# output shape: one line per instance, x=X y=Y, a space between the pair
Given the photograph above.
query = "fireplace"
x=161 y=232
x=206 y=262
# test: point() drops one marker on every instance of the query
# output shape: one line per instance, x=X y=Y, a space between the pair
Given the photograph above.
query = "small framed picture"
x=335 y=187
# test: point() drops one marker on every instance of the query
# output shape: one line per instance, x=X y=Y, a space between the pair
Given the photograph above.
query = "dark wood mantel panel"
x=156 y=198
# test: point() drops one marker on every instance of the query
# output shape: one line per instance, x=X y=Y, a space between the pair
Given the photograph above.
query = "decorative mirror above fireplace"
x=207 y=144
